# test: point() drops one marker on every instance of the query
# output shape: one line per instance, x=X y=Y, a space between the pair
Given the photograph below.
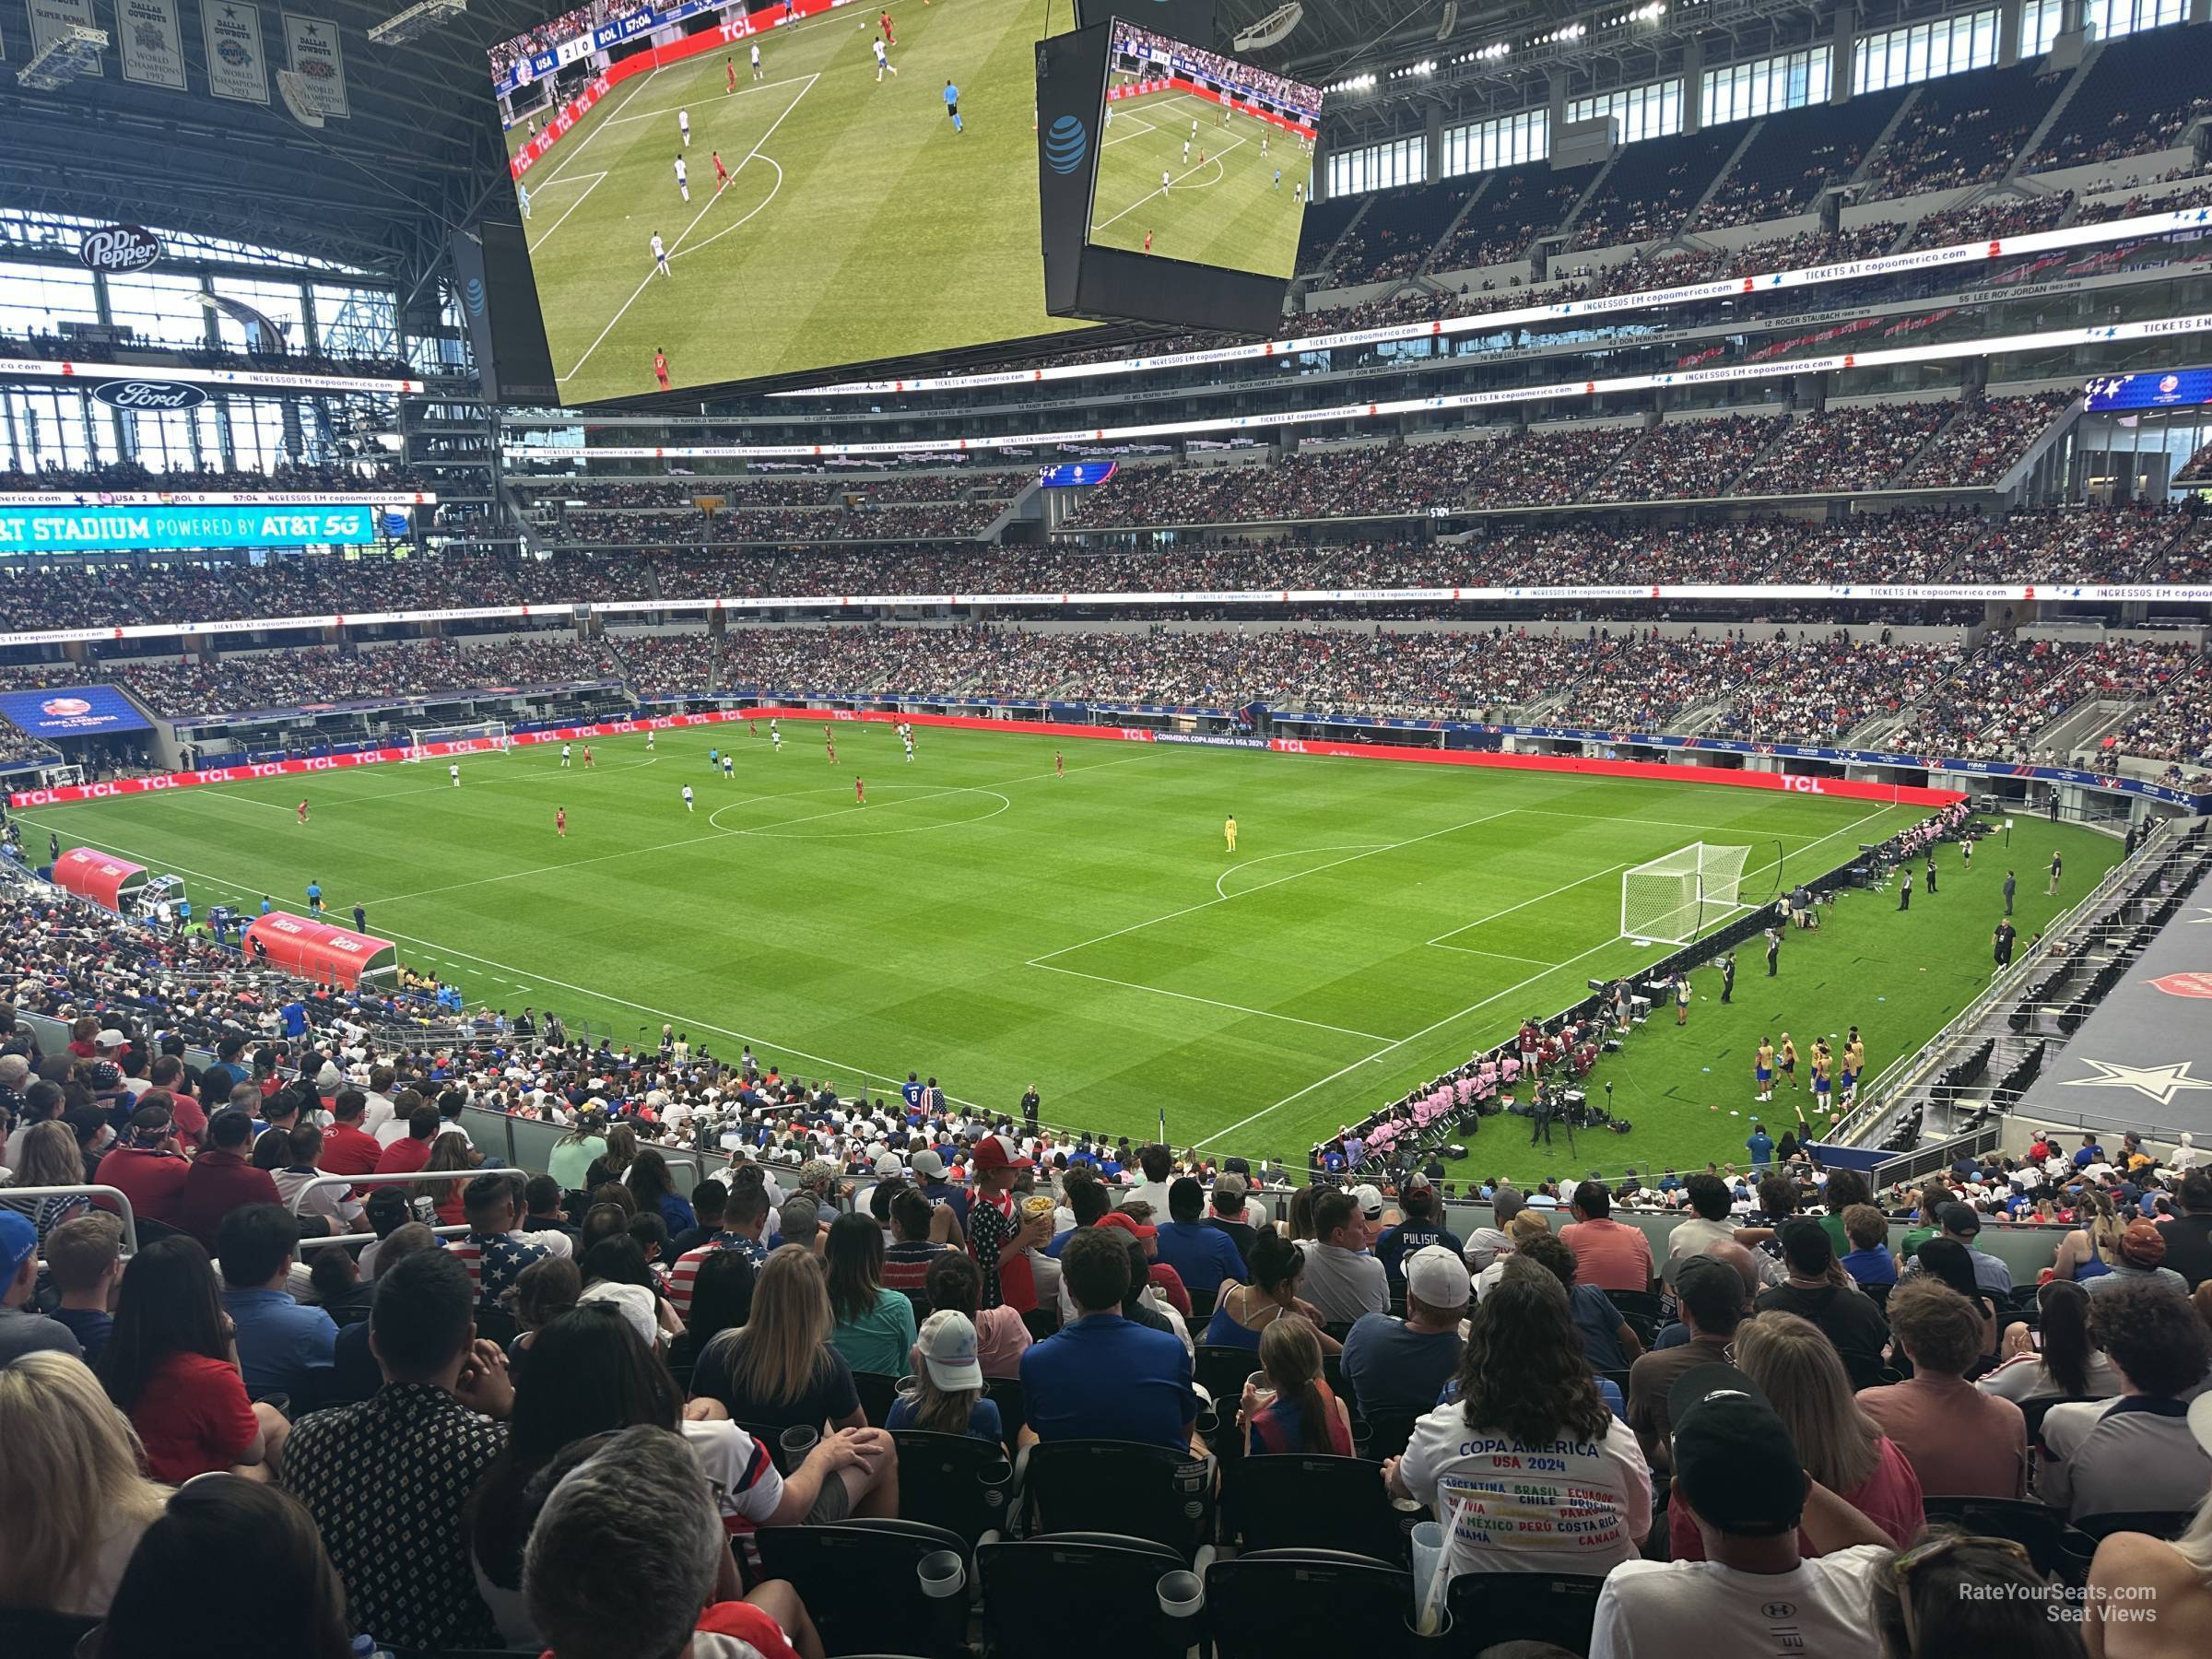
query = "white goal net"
x=1668 y=900
x=486 y=737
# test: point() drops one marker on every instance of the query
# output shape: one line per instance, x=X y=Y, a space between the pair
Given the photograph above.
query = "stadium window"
x=1502 y=141
x=1790 y=80
x=49 y=427
x=159 y=306
x=1641 y=112
x=38 y=299
x=355 y=322
x=1903 y=57
x=1378 y=166
x=279 y=301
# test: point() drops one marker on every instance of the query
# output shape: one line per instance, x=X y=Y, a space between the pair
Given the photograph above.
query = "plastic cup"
x=1182 y=1595
x=941 y=1574
x=797 y=1442
x=1427 y=1551
x=1263 y=1391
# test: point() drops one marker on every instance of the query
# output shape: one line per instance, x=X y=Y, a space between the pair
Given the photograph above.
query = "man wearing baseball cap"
x=1000 y=1234
x=21 y=1331
x=1755 y=1593
x=1403 y=1364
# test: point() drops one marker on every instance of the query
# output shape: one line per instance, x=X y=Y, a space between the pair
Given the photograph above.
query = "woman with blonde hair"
x=1802 y=1375
x=947 y=1394
x=1302 y=1414
x=50 y=1158
x=72 y=1461
x=778 y=1370
x=2156 y=1595
x=2091 y=1249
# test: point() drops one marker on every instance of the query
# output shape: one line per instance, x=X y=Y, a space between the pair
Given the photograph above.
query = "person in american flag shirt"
x=495 y=1250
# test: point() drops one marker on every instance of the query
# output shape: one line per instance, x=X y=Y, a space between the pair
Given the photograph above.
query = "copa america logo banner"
x=76 y=713
x=115 y=250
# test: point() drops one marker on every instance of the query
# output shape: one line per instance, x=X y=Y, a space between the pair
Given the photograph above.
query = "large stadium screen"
x=1205 y=158
x=778 y=193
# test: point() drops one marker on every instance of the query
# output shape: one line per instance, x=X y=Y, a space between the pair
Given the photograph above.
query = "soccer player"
x=453 y=772
x=729 y=68
x=1186 y=152
x=722 y=173
x=649 y=739
x=660 y=254
x=1263 y=143
x=714 y=758
x=1059 y=766
x=829 y=742
x=883 y=20
x=775 y=736
x=859 y=791
x=757 y=74
x=1163 y=181
x=2057 y=869
x=1763 y=1071
x=1193 y=127
x=1789 y=1059
x=688 y=807
x=907 y=738
x=882 y=63
x=1298 y=190
x=1229 y=832
x=587 y=756
x=683 y=125
x=564 y=756
x=952 y=106
x=729 y=765
x=521 y=197
x=302 y=818
x=1278 y=178
x=561 y=822
x=683 y=181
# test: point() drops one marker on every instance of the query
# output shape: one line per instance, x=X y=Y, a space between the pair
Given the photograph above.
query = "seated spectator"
x=1746 y=1491
x=2167 y=1585
x=1710 y=1295
x=171 y=1369
x=721 y=1300
x=300 y=1155
x=911 y=1251
x=348 y=1148
x=654 y=1189
x=1298 y=1412
x=1228 y=1211
x=1002 y=1336
x=165 y=1603
x=947 y=1396
x=2056 y=1359
x=1797 y=1369
x=1242 y=1311
x=222 y=1178
x=1846 y=1315
x=282 y=1347
x=1486 y=1245
x=744 y=1219
x=496 y=1252
x=1612 y=1255
x=410 y=1149
x=2189 y=1230
x=84 y=1258
x=1527 y=1416
x=1869 y=1262
x=617 y=1265
x=2140 y=1259
x=1204 y=1257
x=1950 y=1263
x=147 y=1166
x=1403 y=1364
x=1421 y=1226
x=1342 y=1279
x=875 y=1326
x=669 y=1590
x=596 y=1375
x=2135 y=1453
x=23 y=1331
x=1963 y=1225
x=73 y=1462
x=541 y=1208
x=1963 y=1443
x=49 y=1157
x=1104 y=1376
x=386 y=1479
x=339 y=1290
x=1607 y=1340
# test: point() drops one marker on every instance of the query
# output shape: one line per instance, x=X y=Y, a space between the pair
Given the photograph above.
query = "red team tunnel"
x=316 y=950
x=106 y=880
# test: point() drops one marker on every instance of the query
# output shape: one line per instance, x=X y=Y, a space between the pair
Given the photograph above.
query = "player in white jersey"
x=729 y=766
x=775 y=737
x=455 y=772
x=682 y=178
x=757 y=60
x=882 y=62
x=1186 y=152
x=1193 y=127
x=683 y=125
x=564 y=755
x=908 y=737
x=521 y=197
x=688 y=807
x=1163 y=181
x=660 y=264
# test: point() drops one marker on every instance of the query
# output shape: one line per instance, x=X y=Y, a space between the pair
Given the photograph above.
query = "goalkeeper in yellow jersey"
x=1229 y=833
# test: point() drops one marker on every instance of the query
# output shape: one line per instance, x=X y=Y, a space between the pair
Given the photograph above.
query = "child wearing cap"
x=947 y=1396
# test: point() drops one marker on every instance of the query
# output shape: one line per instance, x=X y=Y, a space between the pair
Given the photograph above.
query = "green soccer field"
x=995 y=924
x=1223 y=205
x=857 y=224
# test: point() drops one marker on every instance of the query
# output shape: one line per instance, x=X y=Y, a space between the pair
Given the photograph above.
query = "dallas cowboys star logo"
x=2160 y=1083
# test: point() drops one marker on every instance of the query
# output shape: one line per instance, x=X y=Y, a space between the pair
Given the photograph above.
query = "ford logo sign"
x=1066 y=144
x=116 y=247
x=148 y=395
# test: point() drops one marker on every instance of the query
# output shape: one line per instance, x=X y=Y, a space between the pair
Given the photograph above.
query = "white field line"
x=716 y=99
x=594 y=184
x=1210 y=162
x=1318 y=1025
x=1508 y=910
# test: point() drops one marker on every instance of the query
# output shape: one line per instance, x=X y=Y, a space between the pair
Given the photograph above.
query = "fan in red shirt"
x=346 y=1149
x=406 y=1157
x=147 y=1168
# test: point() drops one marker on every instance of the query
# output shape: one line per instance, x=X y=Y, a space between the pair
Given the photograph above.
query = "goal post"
x=1669 y=900
x=487 y=738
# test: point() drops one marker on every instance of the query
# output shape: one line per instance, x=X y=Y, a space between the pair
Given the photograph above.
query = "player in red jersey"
x=752 y=728
x=660 y=367
x=722 y=173
x=303 y=812
x=729 y=69
x=884 y=19
x=859 y=791
x=587 y=756
x=1059 y=766
x=829 y=742
x=1148 y=242
x=561 y=822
